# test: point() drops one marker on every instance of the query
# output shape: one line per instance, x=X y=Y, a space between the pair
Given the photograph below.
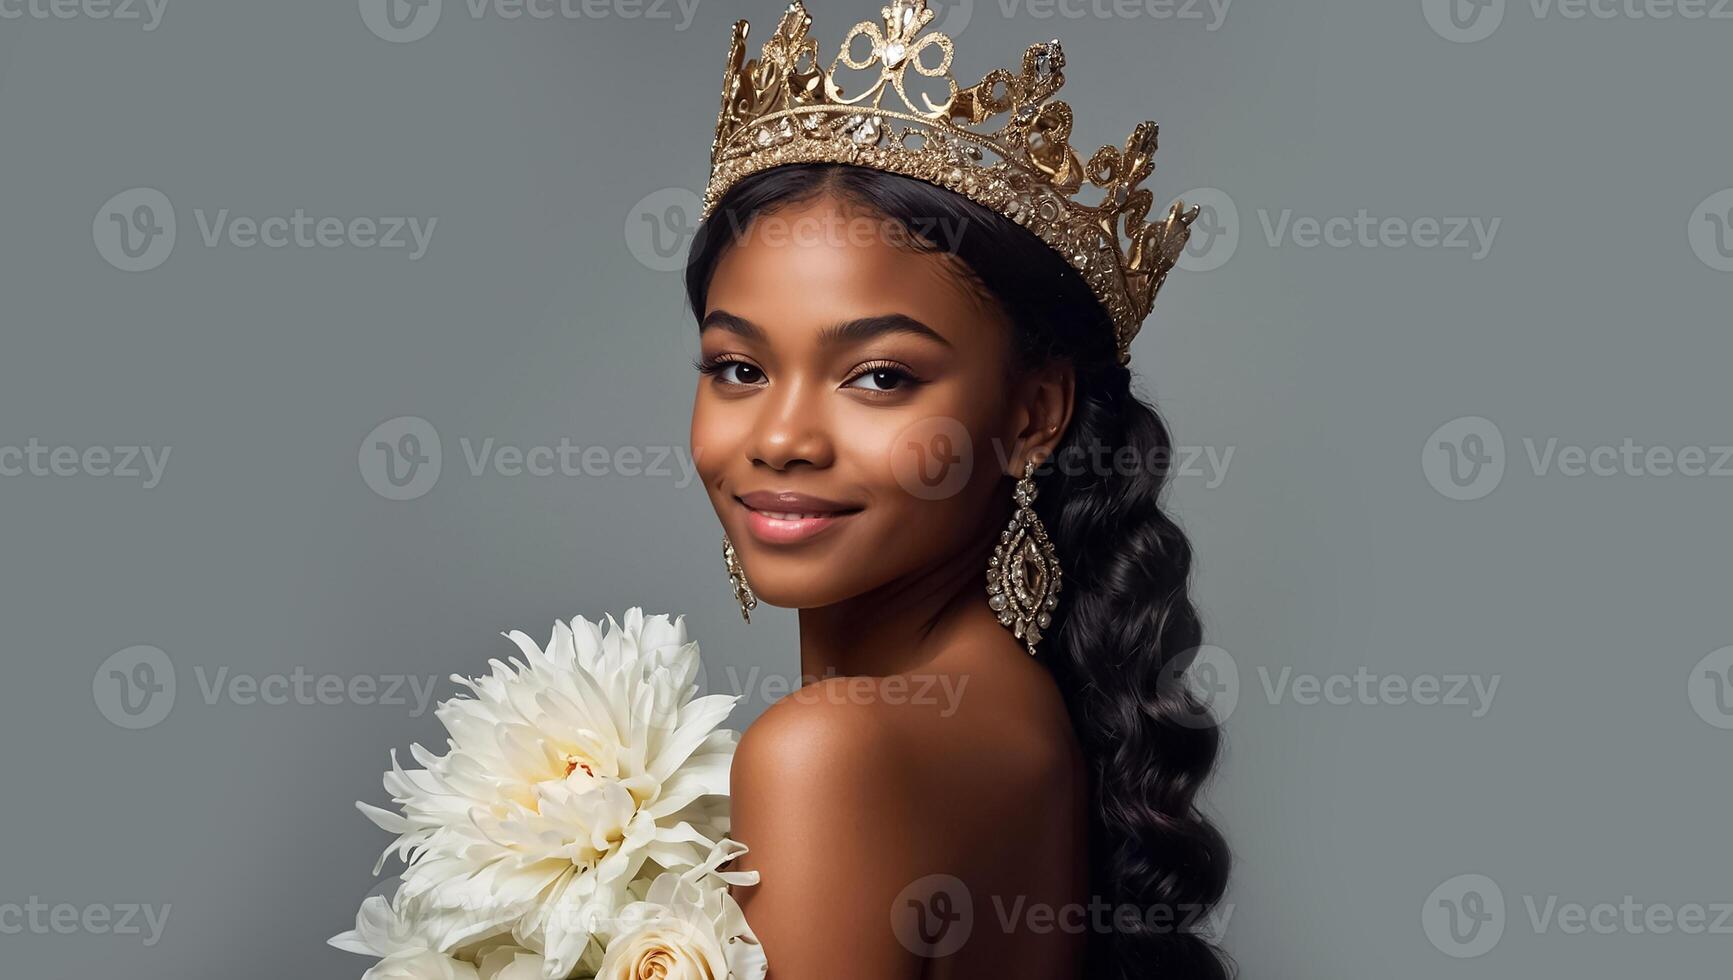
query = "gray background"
x=1599 y=772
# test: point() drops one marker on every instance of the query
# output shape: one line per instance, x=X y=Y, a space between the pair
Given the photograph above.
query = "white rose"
x=688 y=928
x=667 y=948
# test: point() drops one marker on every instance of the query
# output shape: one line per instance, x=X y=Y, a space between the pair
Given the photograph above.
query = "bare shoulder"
x=833 y=832
x=917 y=738
x=852 y=791
x=826 y=736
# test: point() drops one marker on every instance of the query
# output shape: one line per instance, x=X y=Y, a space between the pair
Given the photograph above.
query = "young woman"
x=882 y=362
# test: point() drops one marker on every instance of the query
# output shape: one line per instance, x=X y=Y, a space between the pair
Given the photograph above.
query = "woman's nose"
x=793 y=429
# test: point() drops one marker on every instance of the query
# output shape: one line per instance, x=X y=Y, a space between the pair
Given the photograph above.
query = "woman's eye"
x=881 y=379
x=739 y=373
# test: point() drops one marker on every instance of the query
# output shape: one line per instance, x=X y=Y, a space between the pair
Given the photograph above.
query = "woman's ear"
x=1044 y=404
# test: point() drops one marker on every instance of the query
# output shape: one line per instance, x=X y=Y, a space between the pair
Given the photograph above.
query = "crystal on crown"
x=1003 y=143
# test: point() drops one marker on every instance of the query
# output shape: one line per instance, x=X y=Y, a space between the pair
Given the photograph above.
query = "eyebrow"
x=849 y=331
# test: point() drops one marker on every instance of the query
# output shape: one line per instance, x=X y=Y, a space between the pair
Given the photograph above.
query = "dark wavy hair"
x=1126 y=627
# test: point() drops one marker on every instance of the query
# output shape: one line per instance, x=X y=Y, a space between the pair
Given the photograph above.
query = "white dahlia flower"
x=570 y=775
x=423 y=965
x=398 y=934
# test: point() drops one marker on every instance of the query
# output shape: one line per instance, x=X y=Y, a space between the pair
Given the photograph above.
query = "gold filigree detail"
x=1003 y=142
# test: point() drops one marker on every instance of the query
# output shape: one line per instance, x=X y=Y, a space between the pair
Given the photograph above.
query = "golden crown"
x=783 y=108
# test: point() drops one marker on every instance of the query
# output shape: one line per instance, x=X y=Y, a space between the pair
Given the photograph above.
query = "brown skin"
x=872 y=776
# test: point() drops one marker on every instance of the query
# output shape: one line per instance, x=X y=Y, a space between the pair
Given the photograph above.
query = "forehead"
x=813 y=264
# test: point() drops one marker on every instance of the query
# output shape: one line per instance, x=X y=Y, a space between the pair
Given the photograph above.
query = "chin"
x=799 y=597
x=808 y=582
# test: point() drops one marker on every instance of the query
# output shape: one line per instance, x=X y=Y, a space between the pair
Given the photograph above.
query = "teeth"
x=790 y=517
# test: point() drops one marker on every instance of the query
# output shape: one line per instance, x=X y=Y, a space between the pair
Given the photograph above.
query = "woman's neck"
x=901 y=626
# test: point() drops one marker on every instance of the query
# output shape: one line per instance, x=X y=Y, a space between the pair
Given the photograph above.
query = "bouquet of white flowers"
x=576 y=828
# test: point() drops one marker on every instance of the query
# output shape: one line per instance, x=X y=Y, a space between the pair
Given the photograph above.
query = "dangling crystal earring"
x=737 y=575
x=1023 y=574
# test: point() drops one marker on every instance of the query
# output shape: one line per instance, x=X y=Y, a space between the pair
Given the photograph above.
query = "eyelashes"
x=887 y=377
x=719 y=367
x=710 y=365
x=900 y=377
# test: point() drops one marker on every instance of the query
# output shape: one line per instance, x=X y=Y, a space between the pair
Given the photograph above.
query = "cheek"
x=931 y=471
x=716 y=436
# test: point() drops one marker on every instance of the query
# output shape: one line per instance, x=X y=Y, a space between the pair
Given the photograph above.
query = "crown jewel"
x=1003 y=143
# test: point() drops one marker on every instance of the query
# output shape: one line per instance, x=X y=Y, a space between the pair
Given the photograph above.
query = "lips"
x=785 y=517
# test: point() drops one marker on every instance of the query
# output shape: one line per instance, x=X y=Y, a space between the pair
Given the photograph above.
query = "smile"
x=789 y=518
